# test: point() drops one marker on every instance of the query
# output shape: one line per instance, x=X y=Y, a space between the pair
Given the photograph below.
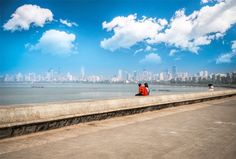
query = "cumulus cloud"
x=187 y=32
x=227 y=58
x=56 y=42
x=67 y=23
x=151 y=58
x=130 y=30
x=26 y=15
x=199 y=28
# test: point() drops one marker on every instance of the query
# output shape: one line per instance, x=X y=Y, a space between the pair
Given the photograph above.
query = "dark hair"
x=139 y=84
x=145 y=84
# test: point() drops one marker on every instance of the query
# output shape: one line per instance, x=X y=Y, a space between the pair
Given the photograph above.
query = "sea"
x=26 y=93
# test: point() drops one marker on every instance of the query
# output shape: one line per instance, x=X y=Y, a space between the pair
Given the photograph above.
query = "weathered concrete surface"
x=20 y=120
x=21 y=114
x=203 y=130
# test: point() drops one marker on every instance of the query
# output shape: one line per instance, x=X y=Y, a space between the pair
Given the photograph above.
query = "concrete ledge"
x=25 y=119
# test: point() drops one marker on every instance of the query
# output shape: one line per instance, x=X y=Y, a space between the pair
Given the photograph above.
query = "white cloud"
x=149 y=48
x=137 y=51
x=151 y=58
x=129 y=30
x=173 y=52
x=204 y=1
x=56 y=42
x=199 y=28
x=146 y=49
x=187 y=32
x=26 y=15
x=233 y=47
x=207 y=1
x=67 y=23
x=227 y=58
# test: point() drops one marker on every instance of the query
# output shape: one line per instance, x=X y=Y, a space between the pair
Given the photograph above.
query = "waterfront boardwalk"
x=203 y=130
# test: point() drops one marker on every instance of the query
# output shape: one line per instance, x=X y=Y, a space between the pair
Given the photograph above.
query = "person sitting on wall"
x=142 y=90
x=147 y=88
x=211 y=87
x=139 y=90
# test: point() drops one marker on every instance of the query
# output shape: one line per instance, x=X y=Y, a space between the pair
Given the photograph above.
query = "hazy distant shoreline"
x=131 y=83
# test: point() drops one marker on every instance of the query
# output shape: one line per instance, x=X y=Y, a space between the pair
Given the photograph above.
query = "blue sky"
x=107 y=35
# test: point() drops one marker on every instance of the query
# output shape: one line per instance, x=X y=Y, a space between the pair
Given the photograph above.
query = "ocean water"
x=14 y=93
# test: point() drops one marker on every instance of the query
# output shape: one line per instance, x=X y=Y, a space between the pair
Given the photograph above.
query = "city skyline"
x=82 y=72
x=171 y=75
x=106 y=36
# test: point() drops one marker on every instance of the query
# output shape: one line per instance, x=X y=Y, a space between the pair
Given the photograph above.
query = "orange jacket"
x=143 y=91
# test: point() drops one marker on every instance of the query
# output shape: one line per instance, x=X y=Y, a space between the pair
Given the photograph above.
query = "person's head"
x=145 y=84
x=139 y=84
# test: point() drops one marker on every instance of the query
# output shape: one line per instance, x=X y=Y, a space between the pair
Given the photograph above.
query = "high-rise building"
x=135 y=77
x=120 y=75
x=82 y=73
x=161 y=77
x=69 y=77
x=19 y=77
x=32 y=77
x=174 y=71
x=206 y=74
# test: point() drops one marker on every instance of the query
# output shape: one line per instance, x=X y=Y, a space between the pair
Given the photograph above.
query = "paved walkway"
x=204 y=130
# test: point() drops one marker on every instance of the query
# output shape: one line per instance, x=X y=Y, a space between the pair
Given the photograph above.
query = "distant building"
x=120 y=75
x=82 y=74
x=172 y=75
x=161 y=77
x=19 y=77
x=174 y=71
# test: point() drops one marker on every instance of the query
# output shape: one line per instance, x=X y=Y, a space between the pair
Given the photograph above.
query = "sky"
x=106 y=35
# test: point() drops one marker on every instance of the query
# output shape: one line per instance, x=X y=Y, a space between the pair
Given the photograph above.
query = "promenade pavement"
x=203 y=130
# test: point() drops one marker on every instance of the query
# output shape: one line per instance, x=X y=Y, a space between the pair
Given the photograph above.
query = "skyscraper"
x=82 y=73
x=120 y=75
x=174 y=71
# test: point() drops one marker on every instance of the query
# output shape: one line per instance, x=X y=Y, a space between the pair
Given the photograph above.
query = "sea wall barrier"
x=24 y=119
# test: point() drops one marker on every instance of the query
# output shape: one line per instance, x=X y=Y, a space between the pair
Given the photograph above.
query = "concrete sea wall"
x=24 y=119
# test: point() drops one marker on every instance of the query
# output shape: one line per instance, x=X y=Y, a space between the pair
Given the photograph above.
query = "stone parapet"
x=24 y=119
